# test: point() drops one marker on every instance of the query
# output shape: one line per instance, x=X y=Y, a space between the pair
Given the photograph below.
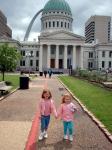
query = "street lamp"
x=28 y=54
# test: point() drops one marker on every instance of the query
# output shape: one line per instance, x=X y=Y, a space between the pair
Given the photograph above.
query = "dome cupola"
x=57 y=5
x=56 y=15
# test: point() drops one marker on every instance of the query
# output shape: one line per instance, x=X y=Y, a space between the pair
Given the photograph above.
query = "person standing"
x=50 y=73
x=46 y=107
x=45 y=73
x=66 y=112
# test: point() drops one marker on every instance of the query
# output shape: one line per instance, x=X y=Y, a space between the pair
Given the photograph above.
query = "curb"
x=96 y=121
x=33 y=134
x=3 y=97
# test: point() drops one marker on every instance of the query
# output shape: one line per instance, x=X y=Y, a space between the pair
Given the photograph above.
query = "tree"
x=9 y=56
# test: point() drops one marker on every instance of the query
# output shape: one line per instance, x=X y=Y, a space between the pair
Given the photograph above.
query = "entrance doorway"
x=52 y=63
x=60 y=63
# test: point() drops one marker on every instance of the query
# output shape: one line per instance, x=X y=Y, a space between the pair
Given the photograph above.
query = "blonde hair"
x=46 y=91
x=64 y=96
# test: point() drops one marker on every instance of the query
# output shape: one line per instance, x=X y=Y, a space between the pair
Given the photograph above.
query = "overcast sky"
x=20 y=12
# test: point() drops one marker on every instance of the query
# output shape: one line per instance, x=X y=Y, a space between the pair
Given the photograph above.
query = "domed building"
x=56 y=15
x=58 y=47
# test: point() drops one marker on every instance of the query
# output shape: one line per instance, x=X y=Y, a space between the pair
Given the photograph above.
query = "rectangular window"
x=31 y=62
x=37 y=53
x=110 y=54
x=46 y=24
x=49 y=24
x=57 y=23
x=103 y=64
x=60 y=51
x=22 y=53
x=37 y=63
x=31 y=53
x=53 y=24
x=90 y=54
x=103 y=54
x=110 y=64
x=22 y=63
x=61 y=24
x=65 y=24
x=53 y=48
x=90 y=65
x=52 y=51
x=69 y=51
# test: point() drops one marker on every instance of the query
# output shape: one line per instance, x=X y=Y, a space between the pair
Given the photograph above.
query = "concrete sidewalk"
x=16 y=114
x=18 y=110
x=87 y=135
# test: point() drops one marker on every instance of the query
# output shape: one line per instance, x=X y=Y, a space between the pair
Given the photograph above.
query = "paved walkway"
x=18 y=110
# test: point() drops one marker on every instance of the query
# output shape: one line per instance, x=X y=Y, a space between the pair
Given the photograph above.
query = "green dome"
x=57 y=5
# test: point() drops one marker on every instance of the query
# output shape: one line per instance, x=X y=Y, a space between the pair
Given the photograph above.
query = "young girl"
x=66 y=112
x=46 y=107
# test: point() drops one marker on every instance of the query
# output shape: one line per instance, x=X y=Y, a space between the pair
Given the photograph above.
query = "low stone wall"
x=107 y=84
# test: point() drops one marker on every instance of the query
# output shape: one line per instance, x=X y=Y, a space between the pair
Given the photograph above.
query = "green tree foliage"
x=9 y=56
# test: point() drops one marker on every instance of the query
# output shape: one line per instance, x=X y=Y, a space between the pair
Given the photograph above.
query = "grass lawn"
x=96 y=99
x=14 y=79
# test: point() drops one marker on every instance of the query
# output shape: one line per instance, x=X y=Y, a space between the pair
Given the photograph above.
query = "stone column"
x=81 y=58
x=65 y=57
x=40 y=58
x=48 y=56
x=74 y=57
x=57 y=57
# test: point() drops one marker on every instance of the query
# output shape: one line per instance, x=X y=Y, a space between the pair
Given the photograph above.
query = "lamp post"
x=28 y=54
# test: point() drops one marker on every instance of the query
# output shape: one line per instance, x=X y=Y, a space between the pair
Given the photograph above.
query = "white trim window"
x=103 y=53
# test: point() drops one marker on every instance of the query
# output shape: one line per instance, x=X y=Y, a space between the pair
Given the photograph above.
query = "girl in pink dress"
x=66 y=112
x=46 y=107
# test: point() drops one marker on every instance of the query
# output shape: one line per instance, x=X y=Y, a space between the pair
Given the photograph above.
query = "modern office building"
x=4 y=28
x=98 y=29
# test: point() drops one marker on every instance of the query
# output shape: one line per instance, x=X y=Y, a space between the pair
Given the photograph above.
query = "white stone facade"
x=56 y=53
x=98 y=56
x=30 y=56
x=59 y=48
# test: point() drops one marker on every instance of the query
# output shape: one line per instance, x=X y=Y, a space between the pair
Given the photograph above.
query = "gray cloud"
x=20 y=12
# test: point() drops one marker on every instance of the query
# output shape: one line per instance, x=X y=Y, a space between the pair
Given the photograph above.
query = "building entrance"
x=60 y=63
x=52 y=63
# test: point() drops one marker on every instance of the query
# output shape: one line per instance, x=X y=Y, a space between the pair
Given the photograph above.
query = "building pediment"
x=59 y=35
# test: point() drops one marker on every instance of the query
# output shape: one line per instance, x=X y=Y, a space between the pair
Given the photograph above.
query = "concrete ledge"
x=107 y=84
x=97 y=122
x=5 y=96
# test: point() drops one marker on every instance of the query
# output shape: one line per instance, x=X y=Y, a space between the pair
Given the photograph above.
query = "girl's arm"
x=53 y=108
x=60 y=112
